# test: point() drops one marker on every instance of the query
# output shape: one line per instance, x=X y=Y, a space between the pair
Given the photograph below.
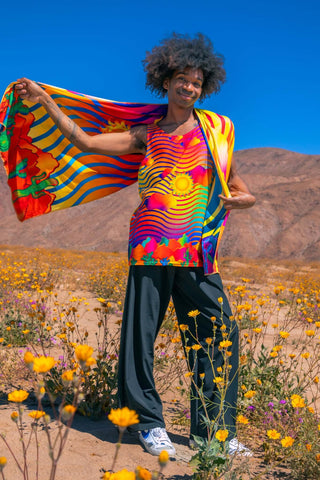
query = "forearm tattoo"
x=73 y=133
x=58 y=121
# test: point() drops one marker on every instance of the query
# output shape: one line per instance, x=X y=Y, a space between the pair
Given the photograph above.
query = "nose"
x=187 y=85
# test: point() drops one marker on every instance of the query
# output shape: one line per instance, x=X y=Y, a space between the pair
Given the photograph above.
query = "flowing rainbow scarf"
x=46 y=172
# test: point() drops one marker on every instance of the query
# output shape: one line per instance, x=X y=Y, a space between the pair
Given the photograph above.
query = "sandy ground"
x=91 y=444
x=89 y=451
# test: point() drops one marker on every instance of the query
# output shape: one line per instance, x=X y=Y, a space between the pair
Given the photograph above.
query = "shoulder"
x=219 y=122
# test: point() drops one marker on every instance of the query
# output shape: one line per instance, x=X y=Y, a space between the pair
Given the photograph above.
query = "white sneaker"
x=237 y=448
x=156 y=440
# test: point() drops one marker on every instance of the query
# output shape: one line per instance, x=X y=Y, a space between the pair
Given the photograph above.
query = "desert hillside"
x=283 y=224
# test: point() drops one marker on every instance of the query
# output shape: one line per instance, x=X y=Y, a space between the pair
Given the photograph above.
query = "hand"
x=238 y=200
x=29 y=90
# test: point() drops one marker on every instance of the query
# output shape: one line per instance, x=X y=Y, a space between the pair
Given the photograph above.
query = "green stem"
x=118 y=445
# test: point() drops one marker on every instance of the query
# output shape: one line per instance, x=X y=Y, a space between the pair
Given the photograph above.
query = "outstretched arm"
x=240 y=195
x=131 y=141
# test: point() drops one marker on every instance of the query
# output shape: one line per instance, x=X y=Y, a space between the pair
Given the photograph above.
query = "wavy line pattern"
x=174 y=182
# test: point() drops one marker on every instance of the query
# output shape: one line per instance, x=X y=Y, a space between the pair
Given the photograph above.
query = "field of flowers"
x=60 y=319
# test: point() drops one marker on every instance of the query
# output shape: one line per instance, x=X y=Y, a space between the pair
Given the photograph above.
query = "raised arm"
x=240 y=194
x=130 y=141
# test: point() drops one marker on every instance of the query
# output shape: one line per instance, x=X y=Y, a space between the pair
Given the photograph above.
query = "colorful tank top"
x=174 y=183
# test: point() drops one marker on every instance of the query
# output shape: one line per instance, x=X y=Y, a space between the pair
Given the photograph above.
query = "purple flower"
x=282 y=402
x=251 y=408
x=270 y=405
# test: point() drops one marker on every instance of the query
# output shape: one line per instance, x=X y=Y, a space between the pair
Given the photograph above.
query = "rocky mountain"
x=284 y=223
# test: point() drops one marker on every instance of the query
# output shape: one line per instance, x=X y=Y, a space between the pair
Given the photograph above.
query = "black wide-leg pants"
x=148 y=294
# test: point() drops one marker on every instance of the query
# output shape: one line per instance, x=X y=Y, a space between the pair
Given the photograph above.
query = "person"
x=168 y=253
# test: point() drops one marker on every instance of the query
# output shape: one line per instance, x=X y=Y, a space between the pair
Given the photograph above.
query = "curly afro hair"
x=179 y=52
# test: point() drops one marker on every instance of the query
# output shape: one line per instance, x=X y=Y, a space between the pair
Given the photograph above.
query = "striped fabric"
x=47 y=173
x=174 y=184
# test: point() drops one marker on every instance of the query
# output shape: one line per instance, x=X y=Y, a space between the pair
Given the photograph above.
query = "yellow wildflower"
x=242 y=419
x=305 y=355
x=83 y=352
x=67 y=412
x=188 y=374
x=193 y=313
x=257 y=330
x=310 y=333
x=183 y=327
x=67 y=376
x=196 y=347
x=218 y=380
x=28 y=358
x=209 y=340
x=277 y=348
x=3 y=462
x=14 y=416
x=143 y=474
x=221 y=435
x=36 y=414
x=297 y=401
x=316 y=379
x=202 y=375
x=284 y=334
x=121 y=475
x=18 y=396
x=309 y=447
x=123 y=417
x=163 y=458
x=220 y=300
x=273 y=434
x=287 y=442
x=91 y=361
x=250 y=393
x=225 y=344
x=43 y=364
x=102 y=300
x=273 y=354
x=25 y=332
x=243 y=359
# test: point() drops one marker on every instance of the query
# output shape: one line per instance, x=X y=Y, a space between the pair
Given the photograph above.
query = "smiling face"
x=184 y=87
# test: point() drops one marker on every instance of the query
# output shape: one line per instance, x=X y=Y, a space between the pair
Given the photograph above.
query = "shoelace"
x=161 y=434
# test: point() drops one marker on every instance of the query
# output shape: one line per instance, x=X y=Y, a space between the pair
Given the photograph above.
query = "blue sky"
x=271 y=51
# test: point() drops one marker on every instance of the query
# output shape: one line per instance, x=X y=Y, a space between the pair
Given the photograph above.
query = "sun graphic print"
x=182 y=184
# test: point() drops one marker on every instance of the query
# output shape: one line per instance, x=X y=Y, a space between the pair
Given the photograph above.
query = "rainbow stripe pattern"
x=47 y=173
x=174 y=183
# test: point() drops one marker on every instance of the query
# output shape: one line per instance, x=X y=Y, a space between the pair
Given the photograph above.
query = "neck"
x=179 y=116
